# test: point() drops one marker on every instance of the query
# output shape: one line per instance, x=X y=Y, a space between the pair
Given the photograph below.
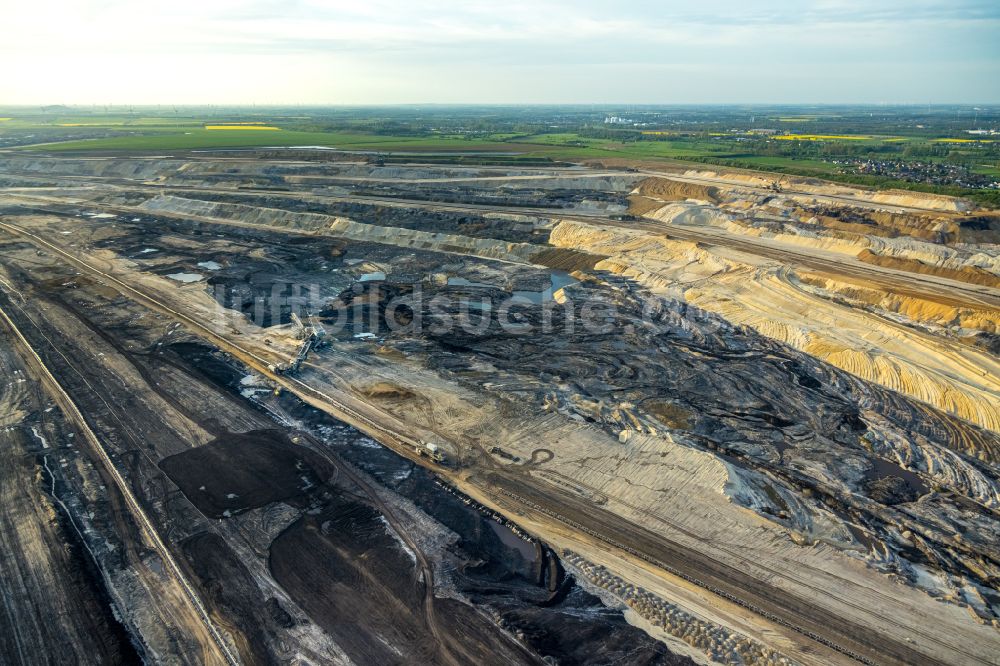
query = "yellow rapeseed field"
x=241 y=127
x=963 y=141
x=823 y=137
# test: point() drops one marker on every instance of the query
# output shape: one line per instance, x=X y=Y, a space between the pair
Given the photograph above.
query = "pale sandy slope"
x=772 y=299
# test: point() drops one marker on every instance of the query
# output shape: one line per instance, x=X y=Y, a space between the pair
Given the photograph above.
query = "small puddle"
x=504 y=533
x=462 y=282
x=40 y=437
x=186 y=277
x=558 y=280
x=781 y=447
x=209 y=265
x=511 y=540
x=883 y=468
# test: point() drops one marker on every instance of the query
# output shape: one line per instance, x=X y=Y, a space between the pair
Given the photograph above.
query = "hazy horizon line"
x=370 y=105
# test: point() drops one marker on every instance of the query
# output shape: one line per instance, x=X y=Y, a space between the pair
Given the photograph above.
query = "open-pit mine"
x=302 y=406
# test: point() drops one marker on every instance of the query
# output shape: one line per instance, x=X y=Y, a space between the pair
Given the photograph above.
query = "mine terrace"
x=327 y=407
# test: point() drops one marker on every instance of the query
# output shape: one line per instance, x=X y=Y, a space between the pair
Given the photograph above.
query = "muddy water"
x=511 y=540
x=186 y=277
x=462 y=282
x=558 y=279
x=883 y=468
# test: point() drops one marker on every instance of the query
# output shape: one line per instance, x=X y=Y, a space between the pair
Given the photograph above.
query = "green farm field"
x=793 y=151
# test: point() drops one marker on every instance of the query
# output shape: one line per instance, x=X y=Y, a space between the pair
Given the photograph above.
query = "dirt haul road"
x=217 y=644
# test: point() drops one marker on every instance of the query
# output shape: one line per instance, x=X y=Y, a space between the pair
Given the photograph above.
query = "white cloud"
x=332 y=50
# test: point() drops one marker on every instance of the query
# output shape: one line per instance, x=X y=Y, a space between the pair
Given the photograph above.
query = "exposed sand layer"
x=911 y=307
x=816 y=187
x=774 y=301
x=970 y=274
x=974 y=264
x=920 y=199
x=666 y=189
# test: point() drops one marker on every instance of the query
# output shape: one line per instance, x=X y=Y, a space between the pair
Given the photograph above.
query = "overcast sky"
x=509 y=51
